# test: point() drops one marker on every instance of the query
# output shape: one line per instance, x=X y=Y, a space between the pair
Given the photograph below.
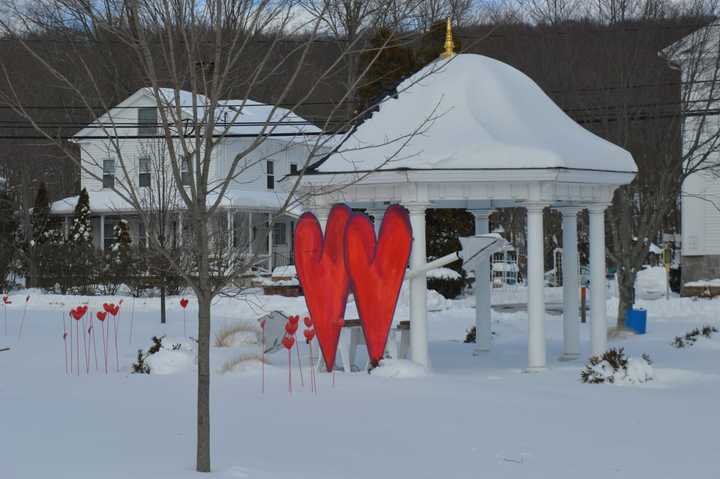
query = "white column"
x=571 y=284
x=598 y=317
x=418 y=288
x=231 y=227
x=180 y=229
x=536 y=282
x=378 y=218
x=270 y=242
x=483 y=325
x=102 y=232
x=322 y=215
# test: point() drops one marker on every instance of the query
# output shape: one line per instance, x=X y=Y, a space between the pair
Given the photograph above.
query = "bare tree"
x=194 y=56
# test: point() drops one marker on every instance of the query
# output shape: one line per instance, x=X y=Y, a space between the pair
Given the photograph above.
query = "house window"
x=144 y=168
x=108 y=173
x=279 y=237
x=185 y=170
x=270 y=170
x=147 y=121
x=293 y=168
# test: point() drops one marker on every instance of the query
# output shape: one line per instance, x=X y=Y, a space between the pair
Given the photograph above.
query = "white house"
x=252 y=197
x=697 y=58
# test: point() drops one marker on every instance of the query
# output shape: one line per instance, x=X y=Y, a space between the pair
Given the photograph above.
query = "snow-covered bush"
x=692 y=336
x=143 y=363
x=446 y=281
x=615 y=367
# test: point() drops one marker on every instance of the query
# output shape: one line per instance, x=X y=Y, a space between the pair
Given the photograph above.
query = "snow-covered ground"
x=468 y=417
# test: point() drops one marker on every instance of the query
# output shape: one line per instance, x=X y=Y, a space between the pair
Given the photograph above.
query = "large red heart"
x=377 y=269
x=320 y=264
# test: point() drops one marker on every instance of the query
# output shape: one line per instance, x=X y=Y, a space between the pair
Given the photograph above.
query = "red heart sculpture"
x=6 y=300
x=294 y=320
x=101 y=315
x=77 y=313
x=309 y=334
x=376 y=270
x=84 y=309
x=320 y=264
x=108 y=307
x=183 y=303
x=308 y=322
x=288 y=342
x=114 y=310
x=291 y=328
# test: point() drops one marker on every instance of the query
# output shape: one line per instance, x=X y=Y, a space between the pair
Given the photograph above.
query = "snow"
x=469 y=416
x=108 y=201
x=251 y=121
x=284 y=272
x=399 y=368
x=448 y=122
x=443 y=273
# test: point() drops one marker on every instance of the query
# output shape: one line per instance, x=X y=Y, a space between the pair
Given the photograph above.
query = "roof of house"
x=109 y=202
x=473 y=112
x=247 y=117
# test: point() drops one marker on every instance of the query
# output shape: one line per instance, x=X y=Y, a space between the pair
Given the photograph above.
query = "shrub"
x=692 y=336
x=470 y=335
x=614 y=366
x=140 y=366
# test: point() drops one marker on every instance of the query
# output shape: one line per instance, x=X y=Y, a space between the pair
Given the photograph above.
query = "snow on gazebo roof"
x=472 y=113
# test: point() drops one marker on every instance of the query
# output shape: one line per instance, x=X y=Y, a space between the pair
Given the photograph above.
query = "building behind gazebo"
x=471 y=132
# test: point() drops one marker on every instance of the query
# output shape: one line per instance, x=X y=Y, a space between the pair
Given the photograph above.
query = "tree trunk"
x=204 y=301
x=626 y=290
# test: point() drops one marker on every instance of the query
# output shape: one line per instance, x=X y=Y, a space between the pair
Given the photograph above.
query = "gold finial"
x=449 y=44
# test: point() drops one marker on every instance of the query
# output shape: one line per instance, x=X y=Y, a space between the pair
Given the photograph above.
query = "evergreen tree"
x=40 y=215
x=81 y=228
x=8 y=243
x=121 y=240
x=82 y=260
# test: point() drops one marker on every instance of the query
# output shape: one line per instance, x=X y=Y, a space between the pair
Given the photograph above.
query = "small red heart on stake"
x=294 y=319
x=101 y=315
x=115 y=310
x=309 y=334
x=183 y=303
x=291 y=328
x=308 y=322
x=108 y=307
x=288 y=342
x=6 y=299
x=77 y=313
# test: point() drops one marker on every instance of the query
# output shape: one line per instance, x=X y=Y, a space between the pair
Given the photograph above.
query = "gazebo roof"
x=474 y=113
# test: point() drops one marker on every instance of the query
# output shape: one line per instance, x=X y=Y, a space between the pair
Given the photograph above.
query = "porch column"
x=483 y=324
x=418 y=288
x=598 y=317
x=536 y=283
x=571 y=284
x=322 y=215
x=231 y=227
x=270 y=242
x=180 y=229
x=378 y=218
x=102 y=232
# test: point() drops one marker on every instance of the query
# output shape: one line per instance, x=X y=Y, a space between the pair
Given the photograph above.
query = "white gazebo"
x=472 y=132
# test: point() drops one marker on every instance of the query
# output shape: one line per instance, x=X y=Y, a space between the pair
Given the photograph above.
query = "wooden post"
x=583 y=304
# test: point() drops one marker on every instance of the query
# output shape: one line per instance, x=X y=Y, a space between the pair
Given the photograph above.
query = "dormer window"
x=293 y=168
x=108 y=173
x=147 y=121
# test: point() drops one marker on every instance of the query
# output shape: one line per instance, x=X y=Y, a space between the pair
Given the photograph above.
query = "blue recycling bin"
x=636 y=320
